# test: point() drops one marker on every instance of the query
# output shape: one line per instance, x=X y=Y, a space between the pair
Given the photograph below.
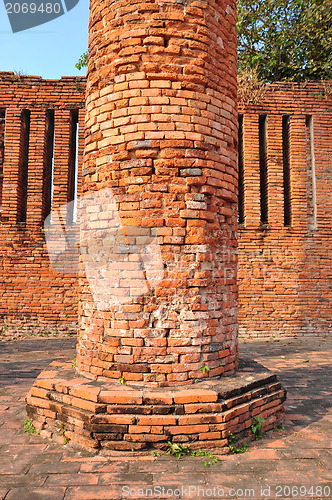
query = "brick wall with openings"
x=36 y=121
x=161 y=132
x=285 y=250
x=284 y=274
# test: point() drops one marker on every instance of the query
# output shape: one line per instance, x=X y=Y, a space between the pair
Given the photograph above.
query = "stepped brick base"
x=99 y=415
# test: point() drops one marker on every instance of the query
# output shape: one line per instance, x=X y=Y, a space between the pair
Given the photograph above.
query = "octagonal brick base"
x=110 y=416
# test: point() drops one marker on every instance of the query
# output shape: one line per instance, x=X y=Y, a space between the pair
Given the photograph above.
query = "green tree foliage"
x=286 y=40
x=83 y=61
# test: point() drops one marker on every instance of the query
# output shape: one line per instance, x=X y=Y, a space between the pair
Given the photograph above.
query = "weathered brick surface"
x=161 y=130
x=285 y=273
x=33 y=295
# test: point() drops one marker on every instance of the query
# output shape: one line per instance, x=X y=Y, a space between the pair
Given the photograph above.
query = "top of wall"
x=16 y=76
x=33 y=91
x=289 y=97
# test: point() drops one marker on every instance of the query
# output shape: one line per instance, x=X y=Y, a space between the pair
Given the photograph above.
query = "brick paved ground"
x=299 y=455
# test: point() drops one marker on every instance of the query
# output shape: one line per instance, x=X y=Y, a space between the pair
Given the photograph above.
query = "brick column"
x=298 y=175
x=2 y=141
x=80 y=151
x=11 y=164
x=251 y=171
x=62 y=132
x=36 y=167
x=275 y=172
x=161 y=132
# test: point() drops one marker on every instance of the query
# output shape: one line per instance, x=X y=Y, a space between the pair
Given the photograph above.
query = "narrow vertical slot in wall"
x=2 y=150
x=311 y=173
x=286 y=170
x=49 y=163
x=22 y=190
x=73 y=170
x=241 y=217
x=262 y=125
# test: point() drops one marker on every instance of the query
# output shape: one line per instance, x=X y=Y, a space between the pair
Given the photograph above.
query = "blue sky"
x=49 y=50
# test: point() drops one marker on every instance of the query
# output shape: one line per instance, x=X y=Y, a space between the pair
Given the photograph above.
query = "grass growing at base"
x=28 y=427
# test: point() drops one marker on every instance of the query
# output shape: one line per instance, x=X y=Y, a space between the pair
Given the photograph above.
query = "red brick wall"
x=285 y=273
x=33 y=295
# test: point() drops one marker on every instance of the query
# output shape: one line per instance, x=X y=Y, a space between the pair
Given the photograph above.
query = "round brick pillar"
x=159 y=220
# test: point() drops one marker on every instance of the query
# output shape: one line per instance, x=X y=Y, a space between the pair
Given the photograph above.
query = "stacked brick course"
x=108 y=416
x=34 y=296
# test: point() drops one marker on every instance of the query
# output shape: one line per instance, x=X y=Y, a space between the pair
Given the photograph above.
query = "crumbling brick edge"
x=100 y=416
